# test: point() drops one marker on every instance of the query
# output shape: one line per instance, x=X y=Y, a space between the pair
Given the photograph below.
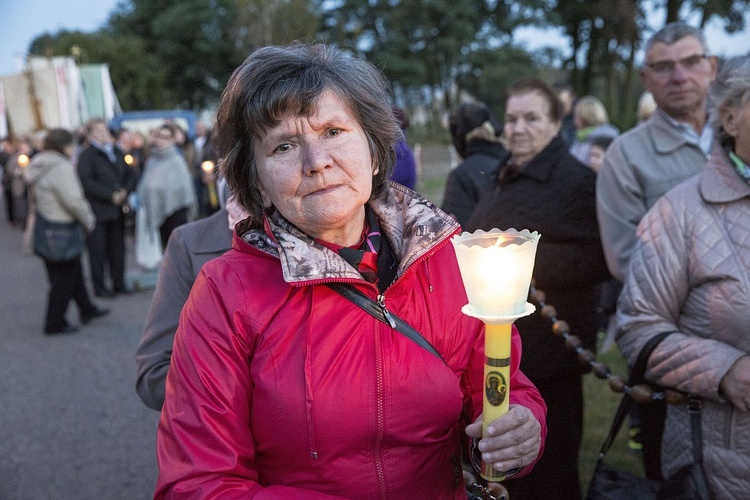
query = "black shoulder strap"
x=636 y=377
x=381 y=313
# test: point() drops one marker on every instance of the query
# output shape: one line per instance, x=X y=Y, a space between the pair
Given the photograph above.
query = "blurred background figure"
x=18 y=206
x=598 y=147
x=107 y=180
x=591 y=120
x=7 y=151
x=405 y=170
x=475 y=133
x=646 y=106
x=567 y=97
x=201 y=140
x=689 y=275
x=58 y=197
x=542 y=187
x=166 y=195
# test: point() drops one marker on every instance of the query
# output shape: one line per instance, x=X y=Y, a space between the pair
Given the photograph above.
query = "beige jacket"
x=690 y=274
x=640 y=166
x=58 y=194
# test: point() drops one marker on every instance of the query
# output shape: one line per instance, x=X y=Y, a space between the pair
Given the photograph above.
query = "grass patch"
x=600 y=404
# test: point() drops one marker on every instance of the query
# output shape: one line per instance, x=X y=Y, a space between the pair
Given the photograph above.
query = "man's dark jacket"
x=101 y=178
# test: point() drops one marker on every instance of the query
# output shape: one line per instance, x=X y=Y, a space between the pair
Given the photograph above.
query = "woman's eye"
x=282 y=148
x=334 y=132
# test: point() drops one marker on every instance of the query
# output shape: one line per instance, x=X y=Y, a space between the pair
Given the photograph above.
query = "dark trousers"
x=9 y=209
x=106 y=244
x=66 y=282
x=177 y=219
x=555 y=476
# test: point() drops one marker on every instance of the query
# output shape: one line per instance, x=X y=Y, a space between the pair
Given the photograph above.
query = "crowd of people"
x=96 y=179
x=272 y=381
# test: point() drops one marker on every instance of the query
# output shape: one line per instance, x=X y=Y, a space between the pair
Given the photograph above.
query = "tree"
x=192 y=40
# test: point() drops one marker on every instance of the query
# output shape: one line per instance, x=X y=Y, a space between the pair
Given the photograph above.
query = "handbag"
x=611 y=483
x=57 y=241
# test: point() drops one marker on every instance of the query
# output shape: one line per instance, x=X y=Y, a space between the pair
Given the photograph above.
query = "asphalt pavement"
x=71 y=424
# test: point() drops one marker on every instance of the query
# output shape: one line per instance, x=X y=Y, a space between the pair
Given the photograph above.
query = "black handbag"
x=611 y=483
x=57 y=241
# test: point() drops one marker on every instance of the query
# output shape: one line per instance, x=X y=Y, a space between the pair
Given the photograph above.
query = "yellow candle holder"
x=496 y=268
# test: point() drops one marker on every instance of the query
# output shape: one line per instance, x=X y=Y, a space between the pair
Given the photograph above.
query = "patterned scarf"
x=371 y=256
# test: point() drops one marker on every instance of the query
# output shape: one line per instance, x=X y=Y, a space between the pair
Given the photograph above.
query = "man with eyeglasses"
x=644 y=163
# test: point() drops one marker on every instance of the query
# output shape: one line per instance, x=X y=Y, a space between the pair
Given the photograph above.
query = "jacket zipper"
x=380 y=427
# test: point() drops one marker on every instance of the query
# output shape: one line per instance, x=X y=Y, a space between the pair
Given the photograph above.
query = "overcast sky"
x=23 y=20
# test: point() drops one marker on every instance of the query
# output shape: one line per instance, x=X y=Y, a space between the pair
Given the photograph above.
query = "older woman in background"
x=279 y=387
x=541 y=187
x=689 y=276
x=58 y=197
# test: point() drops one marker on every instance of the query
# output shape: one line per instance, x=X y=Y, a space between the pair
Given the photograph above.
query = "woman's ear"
x=728 y=119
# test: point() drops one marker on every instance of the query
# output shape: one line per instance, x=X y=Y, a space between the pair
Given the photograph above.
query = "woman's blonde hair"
x=590 y=111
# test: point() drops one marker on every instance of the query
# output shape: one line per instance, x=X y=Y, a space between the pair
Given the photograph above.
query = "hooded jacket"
x=279 y=388
x=57 y=191
x=689 y=276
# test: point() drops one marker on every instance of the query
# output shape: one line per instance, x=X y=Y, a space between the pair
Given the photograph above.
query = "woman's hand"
x=735 y=385
x=513 y=440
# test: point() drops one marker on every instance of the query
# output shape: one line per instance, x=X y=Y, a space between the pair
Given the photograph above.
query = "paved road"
x=71 y=425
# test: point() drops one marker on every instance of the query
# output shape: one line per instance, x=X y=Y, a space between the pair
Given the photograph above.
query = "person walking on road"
x=58 y=197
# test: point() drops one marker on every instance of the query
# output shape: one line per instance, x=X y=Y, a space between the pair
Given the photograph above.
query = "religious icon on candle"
x=495 y=388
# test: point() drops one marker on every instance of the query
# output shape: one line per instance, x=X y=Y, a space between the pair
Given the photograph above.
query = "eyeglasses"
x=163 y=136
x=666 y=68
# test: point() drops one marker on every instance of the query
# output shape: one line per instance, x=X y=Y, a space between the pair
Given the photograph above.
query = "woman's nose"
x=316 y=158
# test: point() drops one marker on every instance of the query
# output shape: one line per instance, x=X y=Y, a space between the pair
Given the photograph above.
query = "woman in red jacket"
x=279 y=387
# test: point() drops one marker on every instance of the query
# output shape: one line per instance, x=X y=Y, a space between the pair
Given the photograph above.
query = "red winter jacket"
x=279 y=388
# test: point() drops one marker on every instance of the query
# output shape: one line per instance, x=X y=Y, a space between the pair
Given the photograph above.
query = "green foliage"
x=180 y=53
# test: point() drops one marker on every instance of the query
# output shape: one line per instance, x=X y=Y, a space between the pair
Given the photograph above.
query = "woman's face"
x=317 y=171
x=736 y=123
x=528 y=127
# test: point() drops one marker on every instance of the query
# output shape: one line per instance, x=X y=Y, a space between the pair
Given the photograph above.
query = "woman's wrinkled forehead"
x=287 y=104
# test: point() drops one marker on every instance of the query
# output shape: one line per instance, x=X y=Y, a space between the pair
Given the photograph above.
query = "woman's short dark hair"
x=58 y=139
x=466 y=117
x=528 y=85
x=290 y=79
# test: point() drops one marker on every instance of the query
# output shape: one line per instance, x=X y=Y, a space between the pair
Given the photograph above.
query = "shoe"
x=97 y=313
x=123 y=290
x=64 y=329
x=105 y=293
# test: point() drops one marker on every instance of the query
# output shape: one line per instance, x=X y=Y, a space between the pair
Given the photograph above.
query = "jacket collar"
x=413 y=225
x=719 y=181
x=541 y=166
x=665 y=137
